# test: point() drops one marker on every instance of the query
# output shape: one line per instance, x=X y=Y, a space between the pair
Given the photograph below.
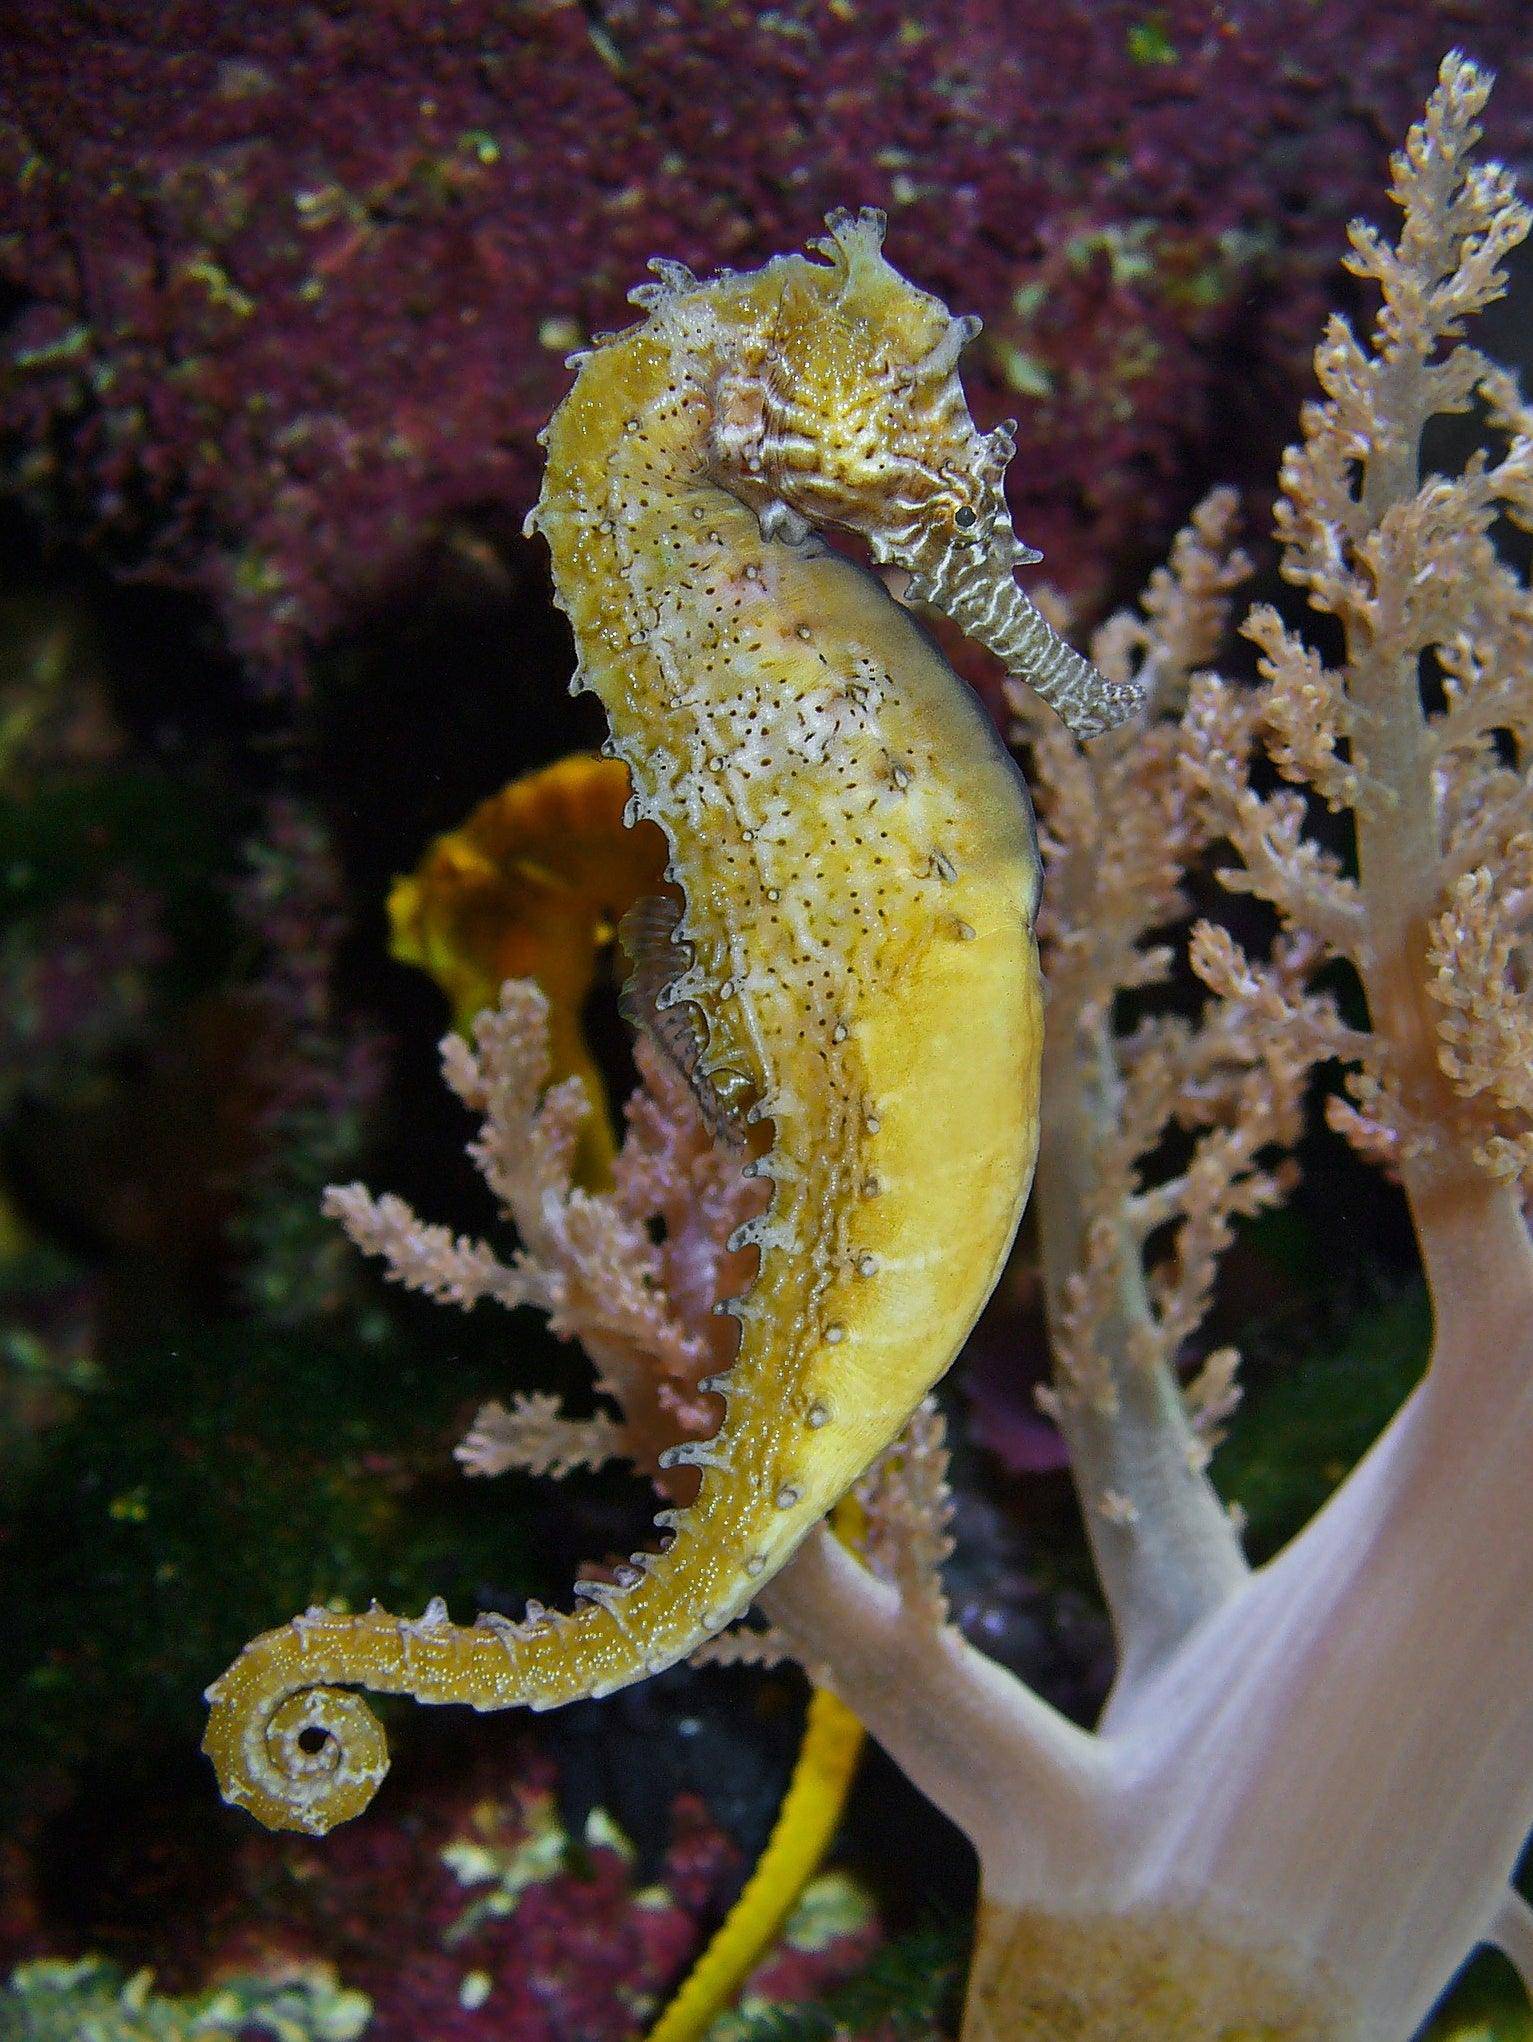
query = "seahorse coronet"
x=858 y=877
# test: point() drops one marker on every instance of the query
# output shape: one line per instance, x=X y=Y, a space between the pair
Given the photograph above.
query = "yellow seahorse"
x=855 y=959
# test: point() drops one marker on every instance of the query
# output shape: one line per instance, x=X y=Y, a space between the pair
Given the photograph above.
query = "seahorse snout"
x=977 y=588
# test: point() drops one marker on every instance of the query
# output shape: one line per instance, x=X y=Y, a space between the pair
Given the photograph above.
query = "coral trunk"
x=1147 y=1977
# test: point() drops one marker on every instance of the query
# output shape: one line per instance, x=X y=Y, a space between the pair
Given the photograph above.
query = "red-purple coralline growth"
x=78 y=986
x=317 y=1074
x=296 y=282
x=466 y=1910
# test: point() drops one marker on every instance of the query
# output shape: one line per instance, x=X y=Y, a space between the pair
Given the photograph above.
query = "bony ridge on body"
x=855 y=854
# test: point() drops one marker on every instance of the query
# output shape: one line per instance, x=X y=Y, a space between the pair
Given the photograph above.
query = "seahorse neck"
x=631 y=507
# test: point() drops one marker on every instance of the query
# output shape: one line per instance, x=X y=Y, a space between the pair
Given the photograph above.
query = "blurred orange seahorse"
x=854 y=964
x=533 y=885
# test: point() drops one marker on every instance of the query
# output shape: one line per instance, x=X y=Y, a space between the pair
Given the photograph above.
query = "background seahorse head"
x=870 y=432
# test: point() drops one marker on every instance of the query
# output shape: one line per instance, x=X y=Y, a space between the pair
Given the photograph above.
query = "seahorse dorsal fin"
x=657 y=958
x=647 y=935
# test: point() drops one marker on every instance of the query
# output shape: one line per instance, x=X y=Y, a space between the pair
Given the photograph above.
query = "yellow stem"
x=805 y=1824
x=807 y=1820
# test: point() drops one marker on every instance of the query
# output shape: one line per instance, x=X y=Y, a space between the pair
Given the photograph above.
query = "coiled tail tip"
x=295 y=1756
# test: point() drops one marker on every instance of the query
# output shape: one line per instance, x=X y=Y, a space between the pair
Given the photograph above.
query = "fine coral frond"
x=743 y=1644
x=450 y=1268
x=1478 y=961
x=535 y=1436
x=1129 y=1256
x=1461 y=220
x=1441 y=799
x=1305 y=710
x=909 y=1510
x=1213 y=1395
x=1299 y=878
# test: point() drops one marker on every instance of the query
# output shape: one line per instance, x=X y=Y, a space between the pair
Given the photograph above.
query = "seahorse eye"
x=965 y=518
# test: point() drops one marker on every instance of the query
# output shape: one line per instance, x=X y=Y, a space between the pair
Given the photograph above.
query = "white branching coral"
x=535 y=1434
x=1479 y=960
x=1159 y=1132
x=1420 y=733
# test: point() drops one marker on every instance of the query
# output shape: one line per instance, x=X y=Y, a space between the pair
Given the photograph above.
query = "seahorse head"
x=841 y=407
